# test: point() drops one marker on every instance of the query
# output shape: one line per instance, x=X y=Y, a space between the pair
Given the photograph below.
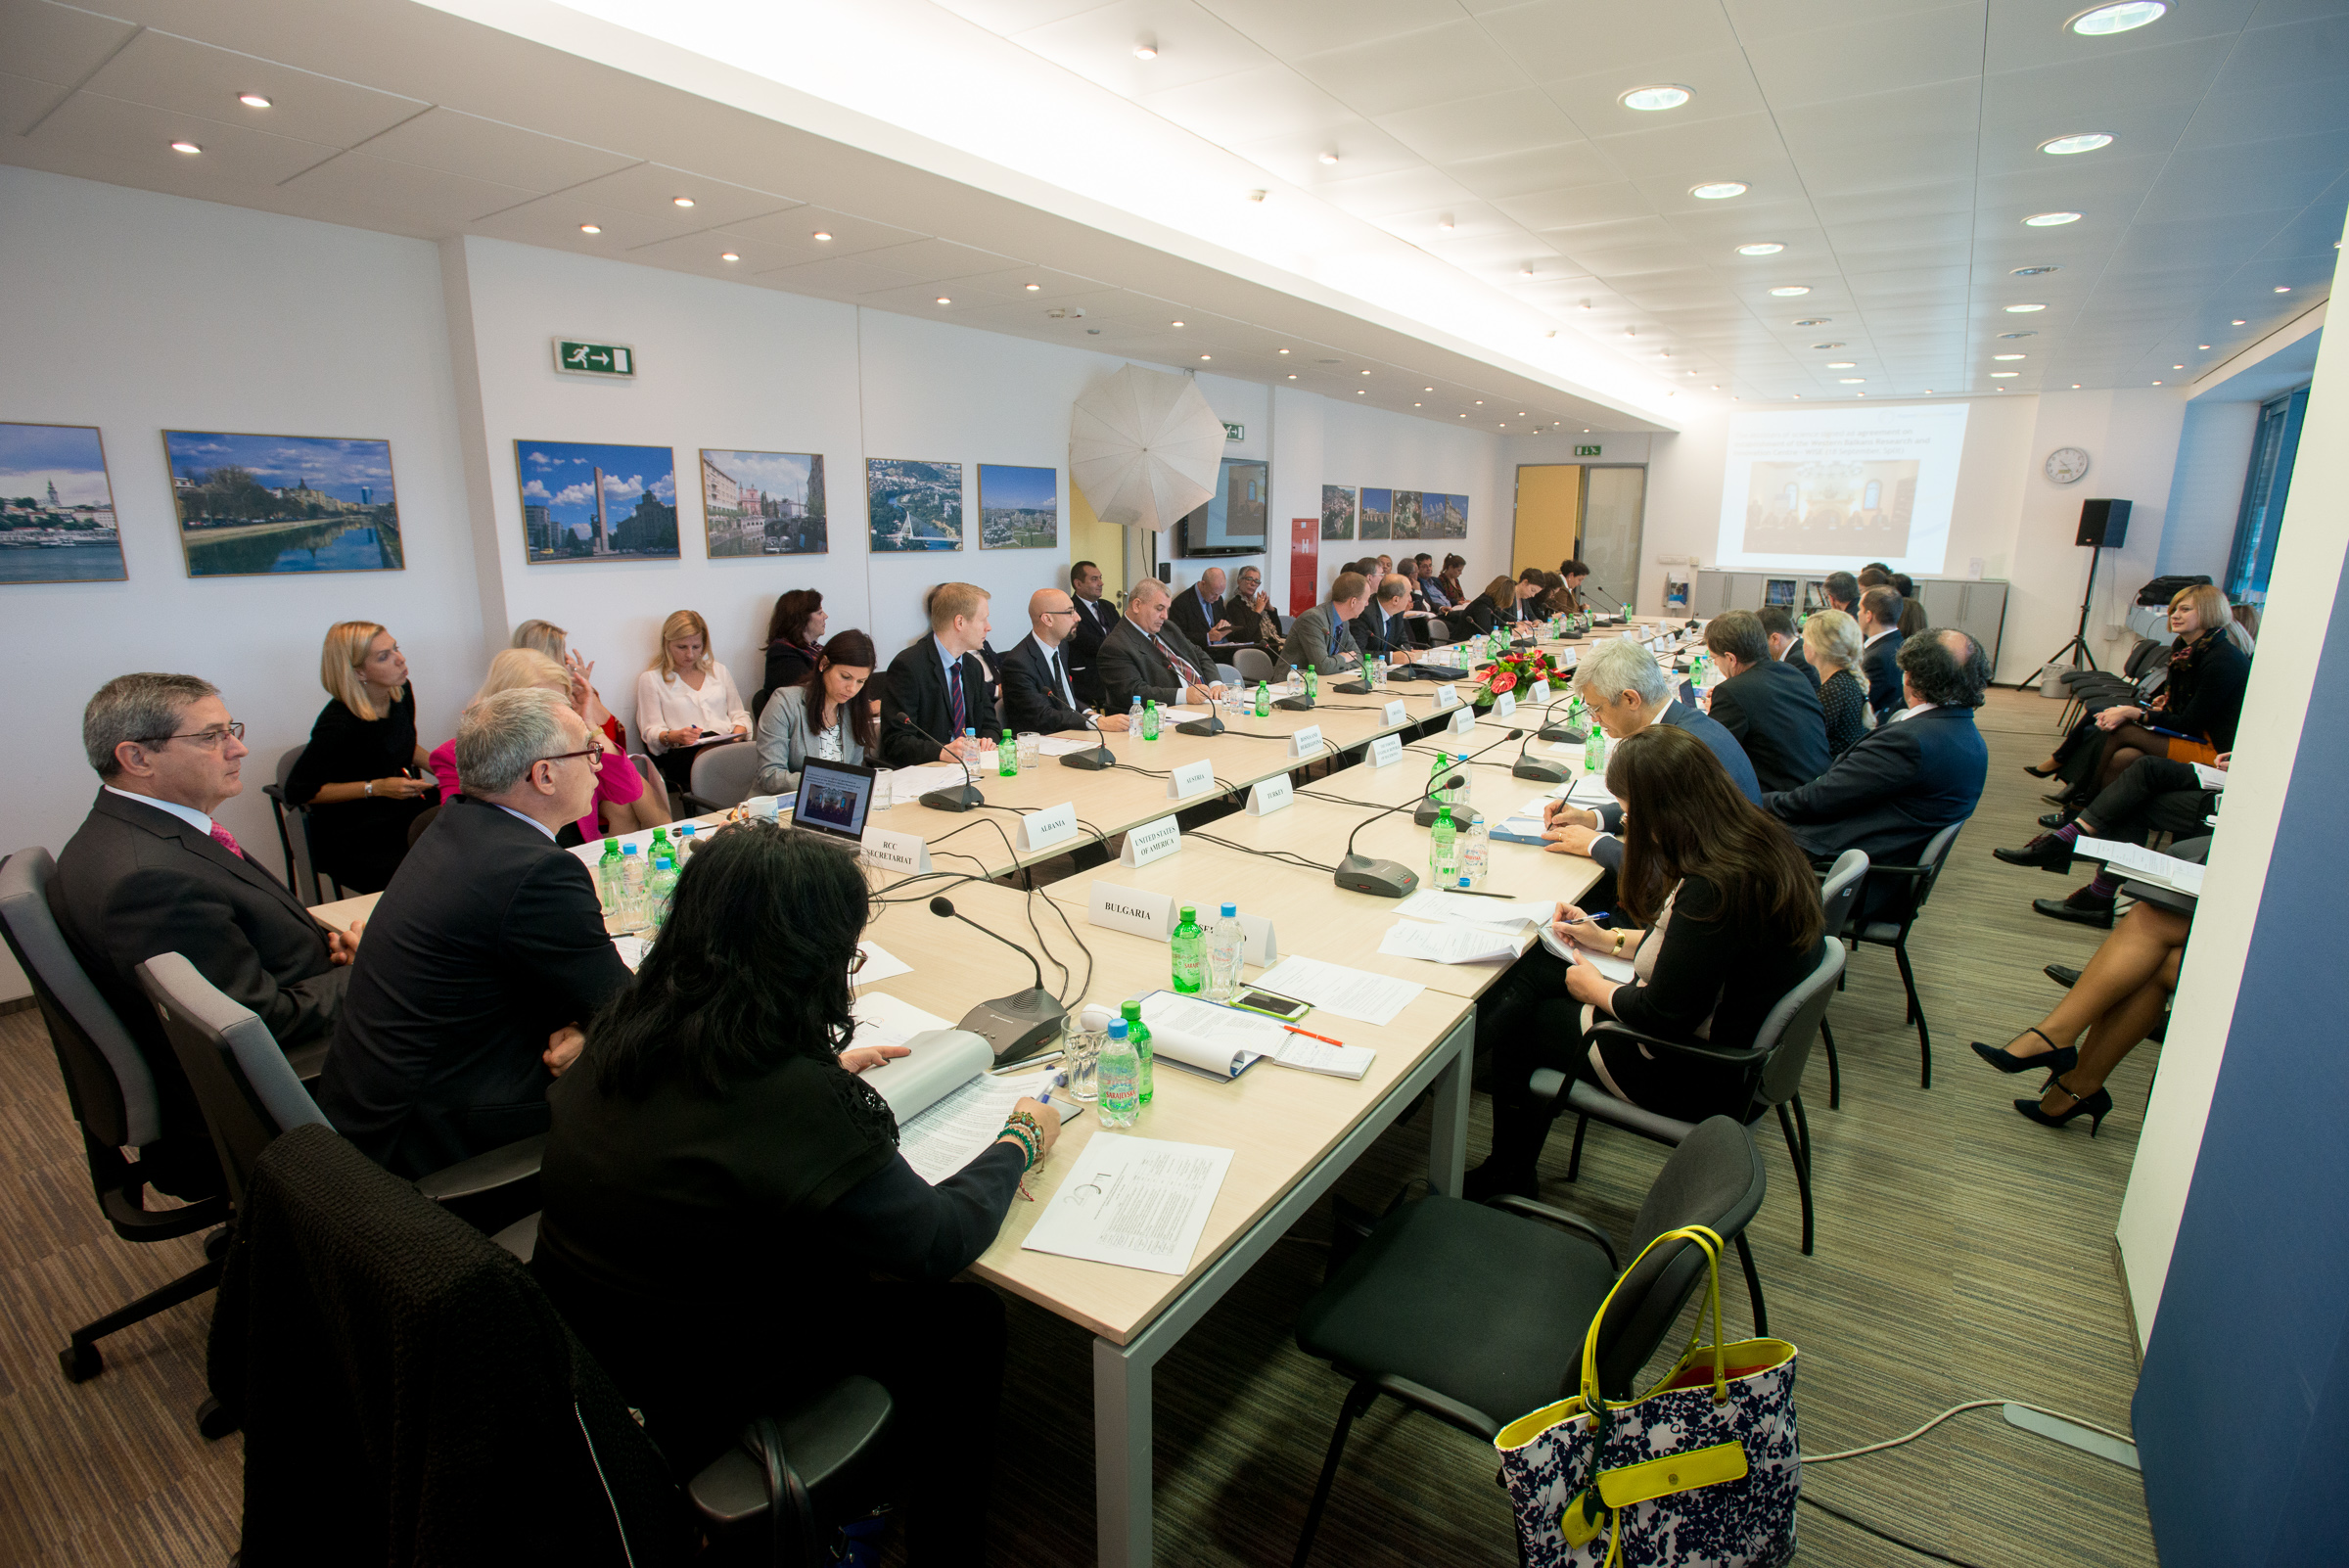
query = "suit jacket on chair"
x=1776 y=716
x=917 y=691
x=1899 y=785
x=1130 y=666
x=1033 y=698
x=1094 y=620
x=488 y=940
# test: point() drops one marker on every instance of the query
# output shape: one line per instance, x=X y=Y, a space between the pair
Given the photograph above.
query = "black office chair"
x=301 y=866
x=1917 y=886
x=1476 y=1315
x=1838 y=901
x=424 y=820
x=114 y=1098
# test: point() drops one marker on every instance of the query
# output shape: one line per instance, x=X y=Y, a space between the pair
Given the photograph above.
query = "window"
x=2265 y=489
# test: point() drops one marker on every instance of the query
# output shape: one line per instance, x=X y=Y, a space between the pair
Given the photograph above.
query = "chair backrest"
x=722 y=774
x=1790 y=1028
x=1715 y=1179
x=1839 y=894
x=424 y=820
x=294 y=831
x=655 y=788
x=2144 y=658
x=1254 y=665
x=248 y=1091
x=1936 y=855
x=1439 y=631
x=105 y=1078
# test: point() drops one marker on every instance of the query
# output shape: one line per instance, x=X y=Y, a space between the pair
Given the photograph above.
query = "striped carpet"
x=1962 y=1253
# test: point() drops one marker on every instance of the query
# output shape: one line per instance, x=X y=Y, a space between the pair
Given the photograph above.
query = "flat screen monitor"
x=1778 y=591
x=834 y=799
x=1234 y=520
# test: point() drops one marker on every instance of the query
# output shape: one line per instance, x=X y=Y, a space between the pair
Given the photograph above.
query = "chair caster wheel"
x=216 y=1245
x=215 y=1420
x=81 y=1362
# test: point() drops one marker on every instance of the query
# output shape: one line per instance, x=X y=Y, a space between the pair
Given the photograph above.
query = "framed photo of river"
x=57 y=510
x=258 y=505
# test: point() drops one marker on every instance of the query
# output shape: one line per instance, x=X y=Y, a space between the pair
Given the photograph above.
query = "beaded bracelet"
x=1027 y=1144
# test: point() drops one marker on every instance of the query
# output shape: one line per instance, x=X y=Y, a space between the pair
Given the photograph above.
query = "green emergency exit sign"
x=1234 y=433
x=1586 y=452
x=611 y=359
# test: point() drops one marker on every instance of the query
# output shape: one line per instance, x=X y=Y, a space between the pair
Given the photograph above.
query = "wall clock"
x=2067 y=465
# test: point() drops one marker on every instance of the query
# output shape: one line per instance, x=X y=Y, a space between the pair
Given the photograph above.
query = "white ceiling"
x=1890 y=146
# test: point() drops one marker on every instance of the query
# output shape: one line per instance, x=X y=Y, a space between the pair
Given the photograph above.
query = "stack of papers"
x=1452 y=944
x=878 y=964
x=1051 y=746
x=1434 y=903
x=1139 y=1203
x=2143 y=864
x=2210 y=778
x=1355 y=994
x=958 y=1129
x=907 y=783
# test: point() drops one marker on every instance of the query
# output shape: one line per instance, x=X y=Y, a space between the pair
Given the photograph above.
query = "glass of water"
x=1031 y=749
x=882 y=798
x=1086 y=1034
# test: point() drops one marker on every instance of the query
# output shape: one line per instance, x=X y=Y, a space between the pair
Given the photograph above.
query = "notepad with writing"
x=948 y=1109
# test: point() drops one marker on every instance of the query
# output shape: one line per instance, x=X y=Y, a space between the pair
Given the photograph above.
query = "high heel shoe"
x=2095 y=1108
x=2039 y=772
x=2056 y=1058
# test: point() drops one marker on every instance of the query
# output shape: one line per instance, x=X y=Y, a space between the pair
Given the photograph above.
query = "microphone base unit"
x=1017 y=1025
x=1461 y=815
x=1354 y=688
x=962 y=797
x=1098 y=761
x=1533 y=767
x=1210 y=725
x=1381 y=879
x=1297 y=705
x=1563 y=735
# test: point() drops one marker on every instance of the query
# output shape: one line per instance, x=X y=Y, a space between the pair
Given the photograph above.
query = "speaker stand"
x=2074 y=651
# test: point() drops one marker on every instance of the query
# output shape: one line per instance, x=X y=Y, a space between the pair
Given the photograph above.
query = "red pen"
x=1309 y=1034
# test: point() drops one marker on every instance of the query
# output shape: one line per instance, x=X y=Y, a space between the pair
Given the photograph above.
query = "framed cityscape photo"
x=258 y=505
x=914 y=506
x=1407 y=515
x=1443 y=516
x=1378 y=514
x=1337 y=511
x=763 y=503
x=597 y=501
x=1019 y=508
x=57 y=507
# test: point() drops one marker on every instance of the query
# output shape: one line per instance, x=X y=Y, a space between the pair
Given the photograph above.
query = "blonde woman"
x=622 y=800
x=362 y=775
x=1832 y=642
x=545 y=637
x=686 y=698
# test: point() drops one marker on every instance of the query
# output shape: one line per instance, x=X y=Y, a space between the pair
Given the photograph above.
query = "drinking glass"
x=1032 y=749
x=882 y=798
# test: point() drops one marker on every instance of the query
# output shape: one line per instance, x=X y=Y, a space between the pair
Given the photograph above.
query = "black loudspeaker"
x=2103 y=523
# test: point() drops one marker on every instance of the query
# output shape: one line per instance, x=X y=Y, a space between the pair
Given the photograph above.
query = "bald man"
x=1199 y=613
x=1038 y=693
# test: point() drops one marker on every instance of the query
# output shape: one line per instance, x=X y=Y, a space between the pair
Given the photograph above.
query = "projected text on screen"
x=1825 y=489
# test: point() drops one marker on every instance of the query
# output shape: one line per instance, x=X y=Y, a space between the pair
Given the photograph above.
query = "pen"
x=1309 y=1034
x=1026 y=1064
x=1475 y=892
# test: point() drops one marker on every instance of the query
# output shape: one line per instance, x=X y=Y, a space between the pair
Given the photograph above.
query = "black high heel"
x=2041 y=772
x=2095 y=1108
x=2056 y=1058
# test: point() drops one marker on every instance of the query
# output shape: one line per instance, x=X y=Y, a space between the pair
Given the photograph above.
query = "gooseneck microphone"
x=962 y=797
x=1392 y=879
x=1533 y=767
x=1013 y=1026
x=1461 y=815
x=1622 y=611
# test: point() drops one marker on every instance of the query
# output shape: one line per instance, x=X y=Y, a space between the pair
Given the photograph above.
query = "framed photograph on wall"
x=597 y=501
x=1337 y=511
x=1443 y=516
x=1378 y=514
x=763 y=503
x=1407 y=515
x=914 y=506
x=1019 y=508
x=258 y=505
x=57 y=507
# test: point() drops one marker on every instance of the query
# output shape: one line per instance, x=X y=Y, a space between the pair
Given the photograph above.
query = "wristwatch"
x=371 y=789
x=1619 y=937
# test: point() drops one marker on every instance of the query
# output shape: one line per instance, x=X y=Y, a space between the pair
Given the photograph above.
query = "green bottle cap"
x=1132 y=1007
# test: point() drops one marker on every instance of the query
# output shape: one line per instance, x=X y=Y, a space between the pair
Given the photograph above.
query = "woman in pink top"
x=620 y=799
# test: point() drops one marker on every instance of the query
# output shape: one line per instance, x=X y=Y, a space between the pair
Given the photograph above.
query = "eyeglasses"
x=209 y=739
x=596 y=752
x=1072 y=609
x=858 y=962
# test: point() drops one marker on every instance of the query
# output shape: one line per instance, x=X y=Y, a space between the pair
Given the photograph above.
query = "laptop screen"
x=834 y=798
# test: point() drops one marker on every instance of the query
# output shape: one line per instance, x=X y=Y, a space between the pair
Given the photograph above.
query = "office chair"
x=302 y=866
x=1893 y=932
x=1254 y=665
x=1838 y=901
x=722 y=776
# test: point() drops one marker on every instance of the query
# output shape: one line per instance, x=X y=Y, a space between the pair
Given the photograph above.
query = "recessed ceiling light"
x=1815 y=321
x=1292 y=375
x=1650 y=99
x=2075 y=386
x=1146 y=50
x=1361 y=391
x=2007 y=335
x=185 y=147
x=1427 y=389
x=680 y=200
x=1418 y=405
x=2032 y=272
x=943 y=299
x=1841 y=365
x=1035 y=287
x=1173 y=323
x=2177 y=367
x=1520 y=413
x=1791 y=290
x=1718 y=190
x=2049 y=220
x=820 y=235
x=253 y=99
x=1329 y=157
x=1765 y=248
x=1716 y=388
x=2101 y=21
x=1284 y=350
x=2000 y=375
x=1798 y=396
x=2157 y=383
x=728 y=256
x=1480 y=403
x=2235 y=323
x=1631 y=331
x=1524 y=272
x=1823 y=346
x=2023 y=309
x=591 y=228
x=2205 y=347
x=1365 y=373
x=2284 y=288
x=2084 y=142
x=1444 y=224
x=1852 y=380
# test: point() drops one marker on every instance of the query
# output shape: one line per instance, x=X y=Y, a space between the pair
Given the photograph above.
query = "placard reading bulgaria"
x=1821 y=489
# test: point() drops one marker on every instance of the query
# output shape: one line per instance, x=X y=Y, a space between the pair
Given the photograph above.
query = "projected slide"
x=1818 y=489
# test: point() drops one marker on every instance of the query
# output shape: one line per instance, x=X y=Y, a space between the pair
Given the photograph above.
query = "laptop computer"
x=833 y=800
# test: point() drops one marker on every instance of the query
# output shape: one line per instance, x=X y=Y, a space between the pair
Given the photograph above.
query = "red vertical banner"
x=1305 y=564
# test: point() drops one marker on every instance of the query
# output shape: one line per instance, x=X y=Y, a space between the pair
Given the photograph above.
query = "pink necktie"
x=226 y=840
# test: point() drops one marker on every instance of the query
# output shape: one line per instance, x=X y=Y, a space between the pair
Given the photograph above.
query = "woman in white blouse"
x=685 y=698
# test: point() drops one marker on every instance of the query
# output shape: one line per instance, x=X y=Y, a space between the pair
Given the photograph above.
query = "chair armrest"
x=1443 y=1407
x=1704 y=1049
x=1873 y=869
x=490 y=1190
x=1557 y=1217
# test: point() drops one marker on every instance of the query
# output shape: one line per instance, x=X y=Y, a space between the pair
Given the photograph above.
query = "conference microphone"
x=1392 y=879
x=1563 y=734
x=1622 y=610
x=1533 y=767
x=1212 y=725
x=1461 y=815
x=1013 y=1026
x=962 y=797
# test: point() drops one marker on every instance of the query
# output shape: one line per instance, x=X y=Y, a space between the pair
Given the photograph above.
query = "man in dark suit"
x=1787 y=642
x=1198 y=611
x=150 y=871
x=940 y=687
x=1843 y=592
x=1381 y=629
x=1038 y=692
x=1144 y=657
x=1323 y=636
x=1908 y=779
x=485 y=954
x=1881 y=650
x=1772 y=710
x=1626 y=691
x=1096 y=618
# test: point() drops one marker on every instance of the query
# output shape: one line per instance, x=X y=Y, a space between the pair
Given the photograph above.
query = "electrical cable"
x=1286 y=856
x=1884 y=1534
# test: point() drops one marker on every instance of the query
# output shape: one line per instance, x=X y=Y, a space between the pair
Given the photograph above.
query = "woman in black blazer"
x=362 y=775
x=717 y=1175
x=2200 y=702
x=1720 y=919
x=795 y=641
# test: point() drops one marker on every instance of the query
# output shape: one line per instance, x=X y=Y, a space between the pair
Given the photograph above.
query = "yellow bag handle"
x=1711 y=1243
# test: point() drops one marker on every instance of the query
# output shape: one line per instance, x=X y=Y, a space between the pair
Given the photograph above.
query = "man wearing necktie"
x=939 y=688
x=1144 y=657
x=1323 y=636
x=1094 y=620
x=1038 y=693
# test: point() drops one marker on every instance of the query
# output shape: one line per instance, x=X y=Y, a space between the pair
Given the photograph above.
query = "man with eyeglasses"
x=1040 y=693
x=485 y=957
x=150 y=871
x=1255 y=623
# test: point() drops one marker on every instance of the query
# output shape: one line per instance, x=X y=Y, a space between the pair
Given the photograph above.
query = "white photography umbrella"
x=1144 y=447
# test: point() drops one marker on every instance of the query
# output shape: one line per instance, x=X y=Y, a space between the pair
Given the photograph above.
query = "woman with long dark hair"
x=1719 y=919
x=795 y=637
x=717 y=1175
x=830 y=715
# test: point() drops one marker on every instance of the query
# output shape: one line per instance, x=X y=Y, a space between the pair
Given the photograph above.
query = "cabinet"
x=1975 y=607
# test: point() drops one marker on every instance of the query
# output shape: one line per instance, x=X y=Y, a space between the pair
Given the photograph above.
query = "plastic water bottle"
x=1007 y=757
x=1476 y=852
x=1133 y=720
x=1131 y=1012
x=1313 y=685
x=1378 y=673
x=1594 y=751
x=689 y=841
x=1190 y=953
x=1121 y=1078
x=1444 y=851
x=632 y=884
x=660 y=885
x=1226 y=947
x=1263 y=700
x=1150 y=721
x=660 y=846
x=609 y=890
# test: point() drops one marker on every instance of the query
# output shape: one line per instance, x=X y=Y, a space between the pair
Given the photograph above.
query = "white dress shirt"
x=663 y=702
x=186 y=813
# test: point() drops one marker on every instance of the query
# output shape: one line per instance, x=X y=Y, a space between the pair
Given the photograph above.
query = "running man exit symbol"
x=576 y=359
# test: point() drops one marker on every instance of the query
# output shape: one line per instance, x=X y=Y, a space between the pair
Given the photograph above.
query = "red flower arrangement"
x=1519 y=667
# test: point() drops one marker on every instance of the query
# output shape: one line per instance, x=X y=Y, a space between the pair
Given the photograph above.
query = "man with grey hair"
x=485 y=957
x=1626 y=691
x=1146 y=658
x=151 y=871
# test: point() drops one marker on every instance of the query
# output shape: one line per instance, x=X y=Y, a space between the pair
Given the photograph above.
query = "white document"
x=1355 y=994
x=2210 y=777
x=1138 y=1203
x=1182 y=714
x=908 y=782
x=1447 y=943
x=1053 y=745
x=878 y=964
x=630 y=951
x=884 y=1020
x=1585 y=789
x=1618 y=970
x=1434 y=903
x=955 y=1130
x=1309 y=1055
x=2146 y=865
x=1220 y=1041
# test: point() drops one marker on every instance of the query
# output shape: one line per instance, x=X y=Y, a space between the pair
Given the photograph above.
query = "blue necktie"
x=1334 y=626
x=954 y=701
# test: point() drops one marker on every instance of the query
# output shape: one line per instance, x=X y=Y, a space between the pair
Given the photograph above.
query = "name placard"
x=1504 y=704
x=1144 y=913
x=1386 y=751
x=1538 y=692
x=1191 y=778
x=1272 y=794
x=897 y=851
x=1152 y=841
x=1040 y=830
x=1447 y=695
x=1396 y=715
x=1463 y=722
x=1261 y=949
x=1306 y=740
